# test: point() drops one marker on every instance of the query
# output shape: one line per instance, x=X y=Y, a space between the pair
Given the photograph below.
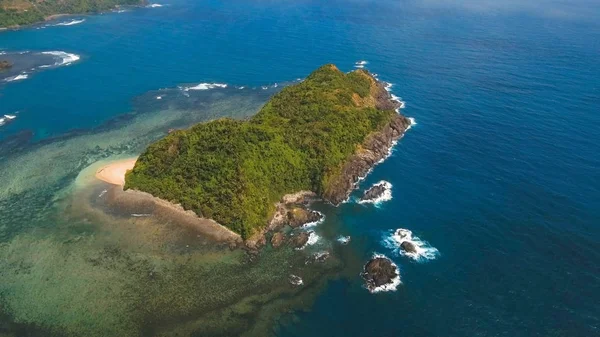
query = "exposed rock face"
x=277 y=240
x=5 y=65
x=375 y=148
x=374 y=192
x=300 y=240
x=408 y=247
x=299 y=216
x=379 y=271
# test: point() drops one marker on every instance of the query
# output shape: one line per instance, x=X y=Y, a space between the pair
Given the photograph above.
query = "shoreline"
x=135 y=202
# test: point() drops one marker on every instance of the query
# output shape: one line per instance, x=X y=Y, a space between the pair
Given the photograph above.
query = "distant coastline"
x=30 y=13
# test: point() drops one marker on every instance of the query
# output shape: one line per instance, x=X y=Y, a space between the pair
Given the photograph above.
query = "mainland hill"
x=319 y=135
x=15 y=13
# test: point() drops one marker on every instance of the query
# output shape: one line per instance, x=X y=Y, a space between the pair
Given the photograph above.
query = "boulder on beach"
x=379 y=271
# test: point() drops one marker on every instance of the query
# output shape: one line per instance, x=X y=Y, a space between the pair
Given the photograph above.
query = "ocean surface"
x=498 y=181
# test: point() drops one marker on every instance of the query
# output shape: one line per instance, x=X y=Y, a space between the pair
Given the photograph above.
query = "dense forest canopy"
x=235 y=171
x=23 y=12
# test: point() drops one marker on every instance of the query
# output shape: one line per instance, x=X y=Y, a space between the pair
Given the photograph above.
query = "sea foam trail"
x=64 y=58
x=205 y=86
x=16 y=78
x=69 y=23
x=154 y=6
x=385 y=196
x=6 y=119
x=424 y=251
x=360 y=64
x=395 y=282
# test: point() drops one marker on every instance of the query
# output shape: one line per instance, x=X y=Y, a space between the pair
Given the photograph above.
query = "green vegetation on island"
x=23 y=12
x=235 y=171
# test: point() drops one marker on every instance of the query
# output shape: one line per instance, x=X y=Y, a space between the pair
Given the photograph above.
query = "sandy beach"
x=114 y=173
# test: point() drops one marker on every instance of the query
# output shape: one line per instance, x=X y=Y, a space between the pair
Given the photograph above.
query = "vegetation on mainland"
x=14 y=13
x=235 y=171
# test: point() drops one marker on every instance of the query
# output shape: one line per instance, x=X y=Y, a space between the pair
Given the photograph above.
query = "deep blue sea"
x=500 y=174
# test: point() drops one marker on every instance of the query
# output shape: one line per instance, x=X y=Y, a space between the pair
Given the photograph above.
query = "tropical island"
x=318 y=136
x=14 y=13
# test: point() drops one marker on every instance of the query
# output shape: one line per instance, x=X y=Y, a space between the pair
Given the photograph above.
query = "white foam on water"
x=315 y=223
x=360 y=64
x=69 y=23
x=395 y=282
x=264 y=88
x=385 y=196
x=6 y=119
x=154 y=6
x=65 y=58
x=312 y=239
x=424 y=251
x=413 y=122
x=344 y=240
x=158 y=97
x=296 y=280
x=205 y=86
x=16 y=78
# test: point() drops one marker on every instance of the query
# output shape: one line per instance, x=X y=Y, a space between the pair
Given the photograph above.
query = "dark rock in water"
x=408 y=247
x=374 y=192
x=299 y=216
x=277 y=240
x=300 y=240
x=379 y=271
x=317 y=257
x=4 y=65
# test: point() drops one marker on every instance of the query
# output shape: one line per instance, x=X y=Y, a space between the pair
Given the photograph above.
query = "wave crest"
x=423 y=250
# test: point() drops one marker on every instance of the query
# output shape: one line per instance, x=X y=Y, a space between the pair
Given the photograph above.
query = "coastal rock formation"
x=374 y=192
x=277 y=240
x=379 y=271
x=4 y=65
x=300 y=240
x=374 y=149
x=408 y=247
x=299 y=216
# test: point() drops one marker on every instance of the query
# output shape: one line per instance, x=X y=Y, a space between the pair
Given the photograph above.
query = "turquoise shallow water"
x=500 y=174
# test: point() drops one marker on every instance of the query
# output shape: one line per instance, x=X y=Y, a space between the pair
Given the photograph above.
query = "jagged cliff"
x=320 y=135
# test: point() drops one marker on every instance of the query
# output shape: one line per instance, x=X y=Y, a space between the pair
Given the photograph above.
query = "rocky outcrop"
x=299 y=216
x=300 y=240
x=375 y=148
x=4 y=65
x=374 y=192
x=277 y=240
x=379 y=271
x=408 y=247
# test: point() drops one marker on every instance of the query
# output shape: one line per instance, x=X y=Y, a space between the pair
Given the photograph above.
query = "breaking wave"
x=423 y=250
x=154 y=6
x=69 y=23
x=6 y=119
x=205 y=86
x=63 y=58
x=16 y=78
x=360 y=64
